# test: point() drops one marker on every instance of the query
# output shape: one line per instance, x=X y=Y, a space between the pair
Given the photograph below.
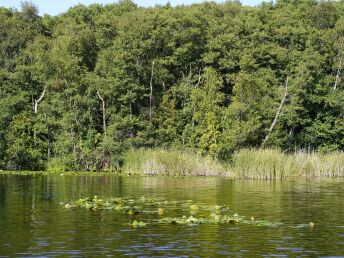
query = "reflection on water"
x=34 y=223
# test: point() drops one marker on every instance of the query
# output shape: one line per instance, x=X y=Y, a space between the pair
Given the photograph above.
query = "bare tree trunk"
x=199 y=77
x=48 y=135
x=340 y=66
x=72 y=139
x=151 y=93
x=291 y=132
x=277 y=113
x=190 y=70
x=130 y=110
x=33 y=102
x=103 y=109
x=36 y=101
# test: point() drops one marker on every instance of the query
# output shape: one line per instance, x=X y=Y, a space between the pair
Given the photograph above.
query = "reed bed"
x=274 y=164
x=246 y=164
x=170 y=163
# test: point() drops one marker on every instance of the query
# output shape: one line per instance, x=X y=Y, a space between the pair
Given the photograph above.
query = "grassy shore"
x=245 y=164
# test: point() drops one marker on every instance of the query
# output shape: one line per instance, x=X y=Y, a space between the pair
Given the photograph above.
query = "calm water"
x=34 y=223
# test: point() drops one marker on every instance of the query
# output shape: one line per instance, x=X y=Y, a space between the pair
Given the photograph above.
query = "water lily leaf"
x=138 y=224
x=88 y=205
x=217 y=207
x=193 y=207
x=161 y=211
x=118 y=207
x=301 y=226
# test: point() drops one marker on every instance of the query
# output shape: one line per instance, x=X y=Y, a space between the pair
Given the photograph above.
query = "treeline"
x=81 y=88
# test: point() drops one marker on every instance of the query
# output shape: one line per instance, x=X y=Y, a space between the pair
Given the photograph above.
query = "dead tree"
x=36 y=101
x=277 y=113
x=199 y=77
x=103 y=110
x=151 y=93
x=340 y=65
x=48 y=135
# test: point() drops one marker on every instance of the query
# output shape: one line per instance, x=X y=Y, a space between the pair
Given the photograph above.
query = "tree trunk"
x=340 y=66
x=130 y=110
x=103 y=110
x=199 y=77
x=48 y=136
x=277 y=113
x=36 y=101
x=151 y=93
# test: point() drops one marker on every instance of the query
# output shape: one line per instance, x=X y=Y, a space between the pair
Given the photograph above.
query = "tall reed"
x=274 y=164
x=246 y=163
x=170 y=163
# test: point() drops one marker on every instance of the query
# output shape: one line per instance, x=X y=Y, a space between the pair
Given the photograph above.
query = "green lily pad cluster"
x=126 y=205
x=137 y=224
x=157 y=209
x=216 y=219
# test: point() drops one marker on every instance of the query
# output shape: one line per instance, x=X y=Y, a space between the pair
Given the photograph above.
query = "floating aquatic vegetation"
x=310 y=225
x=194 y=207
x=161 y=211
x=181 y=221
x=129 y=206
x=137 y=224
x=157 y=207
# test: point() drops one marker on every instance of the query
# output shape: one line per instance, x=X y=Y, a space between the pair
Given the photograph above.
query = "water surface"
x=34 y=223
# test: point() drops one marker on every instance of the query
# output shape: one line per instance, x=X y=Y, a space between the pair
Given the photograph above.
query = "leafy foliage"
x=80 y=89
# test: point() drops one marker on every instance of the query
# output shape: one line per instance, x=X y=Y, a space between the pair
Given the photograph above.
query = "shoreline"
x=116 y=174
x=246 y=164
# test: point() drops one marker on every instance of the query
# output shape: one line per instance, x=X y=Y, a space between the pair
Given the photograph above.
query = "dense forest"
x=83 y=87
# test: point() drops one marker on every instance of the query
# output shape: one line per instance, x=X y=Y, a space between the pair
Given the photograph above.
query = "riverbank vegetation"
x=171 y=163
x=246 y=163
x=92 y=88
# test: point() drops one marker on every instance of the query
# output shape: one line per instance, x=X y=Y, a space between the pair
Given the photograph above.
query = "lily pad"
x=137 y=224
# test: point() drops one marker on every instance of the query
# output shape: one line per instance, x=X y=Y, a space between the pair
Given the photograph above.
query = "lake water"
x=33 y=222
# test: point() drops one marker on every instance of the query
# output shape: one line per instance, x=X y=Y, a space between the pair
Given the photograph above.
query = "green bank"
x=244 y=164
